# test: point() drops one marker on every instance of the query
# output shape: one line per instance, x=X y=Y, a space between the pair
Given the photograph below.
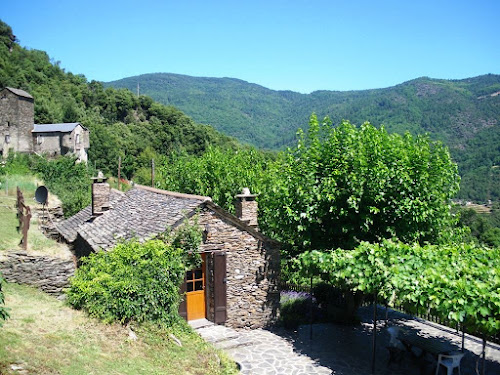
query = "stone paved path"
x=337 y=349
x=259 y=351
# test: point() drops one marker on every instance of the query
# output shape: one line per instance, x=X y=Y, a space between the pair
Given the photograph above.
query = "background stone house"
x=61 y=139
x=16 y=120
x=19 y=133
x=238 y=282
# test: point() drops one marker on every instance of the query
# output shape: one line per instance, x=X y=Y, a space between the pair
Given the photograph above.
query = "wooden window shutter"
x=183 y=305
x=220 y=287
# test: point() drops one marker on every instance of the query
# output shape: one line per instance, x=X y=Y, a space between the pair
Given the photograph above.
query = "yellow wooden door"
x=195 y=292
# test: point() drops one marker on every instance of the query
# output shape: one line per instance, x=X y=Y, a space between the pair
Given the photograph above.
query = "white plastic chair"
x=451 y=362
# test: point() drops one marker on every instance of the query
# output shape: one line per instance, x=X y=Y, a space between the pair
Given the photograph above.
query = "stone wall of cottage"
x=77 y=142
x=16 y=122
x=47 y=273
x=47 y=143
x=252 y=272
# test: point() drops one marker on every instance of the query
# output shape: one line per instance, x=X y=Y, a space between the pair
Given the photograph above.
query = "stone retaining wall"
x=49 y=274
x=48 y=218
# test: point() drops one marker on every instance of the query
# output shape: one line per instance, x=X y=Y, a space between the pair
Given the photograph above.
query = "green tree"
x=482 y=228
x=218 y=173
x=343 y=185
x=6 y=36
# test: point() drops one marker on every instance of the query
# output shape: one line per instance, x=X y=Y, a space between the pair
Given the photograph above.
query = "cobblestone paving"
x=260 y=351
x=338 y=349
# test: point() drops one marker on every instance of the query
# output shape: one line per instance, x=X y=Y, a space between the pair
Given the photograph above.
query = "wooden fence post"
x=24 y=217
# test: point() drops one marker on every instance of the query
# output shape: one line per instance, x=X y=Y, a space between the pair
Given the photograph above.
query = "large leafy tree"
x=342 y=185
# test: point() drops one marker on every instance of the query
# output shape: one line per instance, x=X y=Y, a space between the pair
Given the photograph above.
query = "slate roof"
x=62 y=128
x=19 y=92
x=69 y=227
x=142 y=213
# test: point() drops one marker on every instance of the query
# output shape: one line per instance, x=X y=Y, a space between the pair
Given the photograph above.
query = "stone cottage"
x=19 y=133
x=237 y=284
x=61 y=139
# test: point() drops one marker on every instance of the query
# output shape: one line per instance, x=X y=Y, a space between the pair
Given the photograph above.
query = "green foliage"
x=188 y=237
x=64 y=177
x=4 y=315
x=483 y=228
x=249 y=112
x=133 y=282
x=456 y=282
x=120 y=123
x=67 y=179
x=295 y=309
x=218 y=173
x=343 y=185
x=461 y=113
x=16 y=164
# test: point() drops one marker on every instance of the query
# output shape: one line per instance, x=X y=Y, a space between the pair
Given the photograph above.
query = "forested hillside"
x=120 y=123
x=464 y=114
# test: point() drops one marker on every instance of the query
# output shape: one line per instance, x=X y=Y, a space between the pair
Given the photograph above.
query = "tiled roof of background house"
x=142 y=213
x=62 y=128
x=19 y=92
x=69 y=227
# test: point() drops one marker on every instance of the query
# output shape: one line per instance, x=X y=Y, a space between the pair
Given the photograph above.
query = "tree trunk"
x=483 y=370
x=374 y=331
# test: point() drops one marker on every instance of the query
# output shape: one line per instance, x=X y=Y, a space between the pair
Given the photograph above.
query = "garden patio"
x=340 y=349
x=347 y=349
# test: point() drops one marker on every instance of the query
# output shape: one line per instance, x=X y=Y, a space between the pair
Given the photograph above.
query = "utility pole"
x=138 y=89
x=152 y=172
x=119 y=170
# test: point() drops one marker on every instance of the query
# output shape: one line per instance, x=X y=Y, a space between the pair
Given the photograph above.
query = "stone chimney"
x=246 y=208
x=100 y=195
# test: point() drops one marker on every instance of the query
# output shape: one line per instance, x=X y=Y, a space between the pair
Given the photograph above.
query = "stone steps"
x=234 y=343
x=221 y=337
x=200 y=323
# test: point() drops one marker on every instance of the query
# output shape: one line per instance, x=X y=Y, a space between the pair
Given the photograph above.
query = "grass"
x=43 y=336
x=9 y=237
x=27 y=184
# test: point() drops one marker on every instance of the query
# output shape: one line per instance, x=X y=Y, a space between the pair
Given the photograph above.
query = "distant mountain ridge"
x=464 y=114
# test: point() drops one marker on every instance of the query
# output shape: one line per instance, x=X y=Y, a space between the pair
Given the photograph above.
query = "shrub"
x=67 y=179
x=295 y=308
x=133 y=282
x=16 y=163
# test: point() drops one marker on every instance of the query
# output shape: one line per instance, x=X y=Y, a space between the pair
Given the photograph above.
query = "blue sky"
x=299 y=45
